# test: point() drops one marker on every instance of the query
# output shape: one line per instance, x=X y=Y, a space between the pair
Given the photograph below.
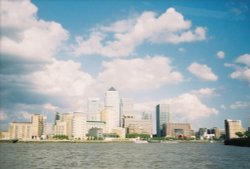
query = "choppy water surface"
x=123 y=155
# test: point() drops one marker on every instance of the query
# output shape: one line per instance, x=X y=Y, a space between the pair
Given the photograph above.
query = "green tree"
x=239 y=134
x=247 y=134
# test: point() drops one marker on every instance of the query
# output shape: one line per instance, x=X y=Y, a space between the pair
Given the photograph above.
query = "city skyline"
x=193 y=56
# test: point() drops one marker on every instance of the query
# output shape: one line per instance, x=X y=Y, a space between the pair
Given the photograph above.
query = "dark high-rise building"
x=162 y=118
x=57 y=117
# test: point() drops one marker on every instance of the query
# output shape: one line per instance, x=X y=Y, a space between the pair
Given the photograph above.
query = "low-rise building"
x=20 y=130
x=137 y=126
x=178 y=130
x=232 y=127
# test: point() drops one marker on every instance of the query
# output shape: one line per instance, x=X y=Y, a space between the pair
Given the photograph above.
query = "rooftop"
x=112 y=89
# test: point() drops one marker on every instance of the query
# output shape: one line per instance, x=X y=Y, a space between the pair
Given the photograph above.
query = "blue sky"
x=192 y=55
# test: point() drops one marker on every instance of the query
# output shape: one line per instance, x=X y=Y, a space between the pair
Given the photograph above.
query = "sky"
x=193 y=55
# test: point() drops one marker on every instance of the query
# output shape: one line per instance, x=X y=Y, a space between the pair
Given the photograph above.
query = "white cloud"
x=220 y=54
x=202 y=71
x=3 y=115
x=241 y=72
x=204 y=92
x=25 y=115
x=26 y=37
x=186 y=107
x=239 y=105
x=122 y=37
x=49 y=106
x=140 y=73
x=244 y=59
x=62 y=78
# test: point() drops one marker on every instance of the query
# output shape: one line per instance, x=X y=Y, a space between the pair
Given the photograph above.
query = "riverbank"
x=243 y=142
x=103 y=141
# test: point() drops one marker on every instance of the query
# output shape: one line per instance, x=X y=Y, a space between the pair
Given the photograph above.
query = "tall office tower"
x=162 y=118
x=57 y=117
x=37 y=121
x=112 y=100
x=68 y=119
x=232 y=127
x=94 y=109
x=126 y=109
x=79 y=125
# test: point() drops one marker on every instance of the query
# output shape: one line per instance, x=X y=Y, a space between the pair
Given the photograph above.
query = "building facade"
x=126 y=108
x=232 y=127
x=112 y=100
x=20 y=130
x=37 y=121
x=135 y=126
x=94 y=109
x=79 y=125
x=162 y=118
x=178 y=130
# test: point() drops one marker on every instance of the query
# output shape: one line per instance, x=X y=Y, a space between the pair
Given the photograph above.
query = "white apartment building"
x=79 y=125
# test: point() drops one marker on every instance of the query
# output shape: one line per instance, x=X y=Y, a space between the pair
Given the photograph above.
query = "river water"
x=123 y=156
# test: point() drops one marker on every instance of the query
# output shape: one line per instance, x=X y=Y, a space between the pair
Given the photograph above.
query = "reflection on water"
x=123 y=155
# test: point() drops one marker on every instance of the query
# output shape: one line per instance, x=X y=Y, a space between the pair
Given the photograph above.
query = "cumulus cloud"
x=187 y=107
x=244 y=59
x=24 y=37
x=204 y=92
x=220 y=54
x=242 y=68
x=62 y=78
x=140 y=73
x=122 y=37
x=202 y=72
x=239 y=105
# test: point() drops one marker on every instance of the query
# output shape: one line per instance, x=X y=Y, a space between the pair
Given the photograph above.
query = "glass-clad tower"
x=162 y=118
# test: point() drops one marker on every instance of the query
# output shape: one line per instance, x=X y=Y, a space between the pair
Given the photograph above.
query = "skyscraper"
x=162 y=117
x=94 y=109
x=112 y=100
x=126 y=109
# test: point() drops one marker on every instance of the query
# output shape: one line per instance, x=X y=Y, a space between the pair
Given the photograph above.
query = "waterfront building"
x=216 y=132
x=60 y=128
x=137 y=126
x=162 y=118
x=94 y=109
x=232 y=127
x=112 y=100
x=178 y=130
x=106 y=116
x=20 y=130
x=57 y=117
x=95 y=133
x=37 y=121
x=68 y=119
x=79 y=125
x=120 y=132
x=126 y=108
x=4 y=135
x=96 y=124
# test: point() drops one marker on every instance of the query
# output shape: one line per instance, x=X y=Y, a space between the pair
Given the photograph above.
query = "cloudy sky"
x=193 y=55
